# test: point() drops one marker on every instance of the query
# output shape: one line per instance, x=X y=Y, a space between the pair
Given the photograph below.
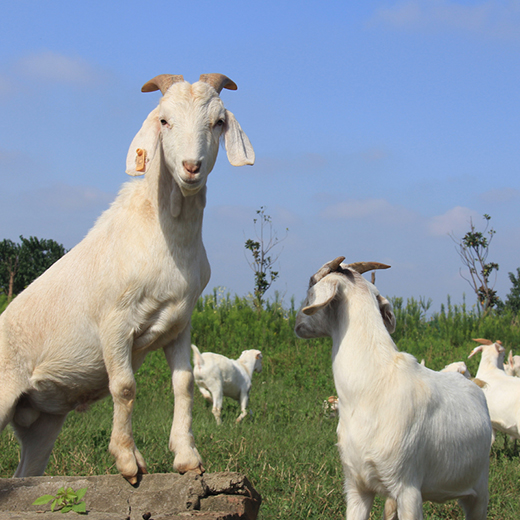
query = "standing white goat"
x=218 y=376
x=129 y=287
x=502 y=391
x=404 y=432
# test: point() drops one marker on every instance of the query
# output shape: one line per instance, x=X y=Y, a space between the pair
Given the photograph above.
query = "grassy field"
x=287 y=447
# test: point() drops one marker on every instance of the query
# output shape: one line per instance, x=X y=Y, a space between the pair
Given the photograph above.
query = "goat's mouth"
x=191 y=184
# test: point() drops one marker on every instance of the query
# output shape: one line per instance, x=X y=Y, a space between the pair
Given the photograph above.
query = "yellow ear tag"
x=140 y=160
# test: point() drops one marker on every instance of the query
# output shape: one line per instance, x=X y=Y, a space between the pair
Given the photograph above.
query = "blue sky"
x=379 y=127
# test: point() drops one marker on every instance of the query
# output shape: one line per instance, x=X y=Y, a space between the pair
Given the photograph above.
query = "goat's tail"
x=198 y=362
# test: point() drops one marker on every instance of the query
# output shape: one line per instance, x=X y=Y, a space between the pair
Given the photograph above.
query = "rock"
x=165 y=496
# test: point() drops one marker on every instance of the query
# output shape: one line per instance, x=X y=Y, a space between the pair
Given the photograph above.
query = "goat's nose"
x=192 y=167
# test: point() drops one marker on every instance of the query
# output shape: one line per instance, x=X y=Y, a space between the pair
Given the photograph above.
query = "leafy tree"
x=263 y=263
x=9 y=266
x=513 y=298
x=473 y=250
x=21 y=263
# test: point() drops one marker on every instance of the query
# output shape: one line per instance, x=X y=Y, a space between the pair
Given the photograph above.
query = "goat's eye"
x=220 y=122
x=164 y=122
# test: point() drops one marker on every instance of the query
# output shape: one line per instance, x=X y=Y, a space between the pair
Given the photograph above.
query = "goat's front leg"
x=182 y=442
x=359 y=502
x=118 y=361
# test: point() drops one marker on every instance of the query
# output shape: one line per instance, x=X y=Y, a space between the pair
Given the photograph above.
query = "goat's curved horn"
x=334 y=265
x=483 y=341
x=162 y=82
x=325 y=270
x=218 y=81
x=363 y=267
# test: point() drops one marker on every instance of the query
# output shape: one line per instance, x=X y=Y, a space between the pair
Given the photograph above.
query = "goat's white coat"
x=502 y=391
x=404 y=432
x=218 y=376
x=80 y=330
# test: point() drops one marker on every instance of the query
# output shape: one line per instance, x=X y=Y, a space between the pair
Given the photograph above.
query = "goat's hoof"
x=131 y=480
x=199 y=470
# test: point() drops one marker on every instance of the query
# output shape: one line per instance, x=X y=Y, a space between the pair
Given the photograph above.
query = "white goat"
x=502 y=391
x=512 y=367
x=404 y=432
x=129 y=287
x=459 y=367
x=218 y=376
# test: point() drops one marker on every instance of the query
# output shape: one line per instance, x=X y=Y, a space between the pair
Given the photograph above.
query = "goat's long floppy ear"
x=238 y=147
x=144 y=145
x=385 y=308
x=320 y=294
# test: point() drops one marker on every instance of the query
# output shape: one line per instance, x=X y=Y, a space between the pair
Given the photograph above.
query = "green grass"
x=287 y=447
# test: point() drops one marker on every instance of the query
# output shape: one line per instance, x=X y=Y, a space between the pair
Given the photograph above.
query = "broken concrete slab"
x=165 y=496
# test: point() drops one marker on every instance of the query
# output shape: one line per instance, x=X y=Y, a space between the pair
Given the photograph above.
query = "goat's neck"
x=180 y=217
x=488 y=363
x=360 y=343
x=248 y=364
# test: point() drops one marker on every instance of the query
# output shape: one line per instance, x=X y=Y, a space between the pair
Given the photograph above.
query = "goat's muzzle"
x=192 y=167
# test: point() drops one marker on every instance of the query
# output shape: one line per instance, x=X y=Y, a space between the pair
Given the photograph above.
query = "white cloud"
x=455 y=221
x=51 y=67
x=494 y=19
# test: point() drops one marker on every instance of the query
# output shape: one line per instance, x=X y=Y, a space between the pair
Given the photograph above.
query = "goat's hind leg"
x=475 y=506
x=390 y=512
x=37 y=440
x=217 y=396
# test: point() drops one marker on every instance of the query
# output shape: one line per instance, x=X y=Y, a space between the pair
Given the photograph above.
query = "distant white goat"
x=457 y=366
x=129 y=287
x=218 y=376
x=404 y=432
x=502 y=391
x=512 y=367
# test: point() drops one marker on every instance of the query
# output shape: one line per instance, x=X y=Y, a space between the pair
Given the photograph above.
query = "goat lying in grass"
x=218 y=377
x=404 y=432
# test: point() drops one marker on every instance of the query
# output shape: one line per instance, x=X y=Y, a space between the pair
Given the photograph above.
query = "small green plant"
x=65 y=500
x=262 y=264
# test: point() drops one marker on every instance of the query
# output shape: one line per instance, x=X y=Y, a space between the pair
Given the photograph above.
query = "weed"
x=65 y=500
